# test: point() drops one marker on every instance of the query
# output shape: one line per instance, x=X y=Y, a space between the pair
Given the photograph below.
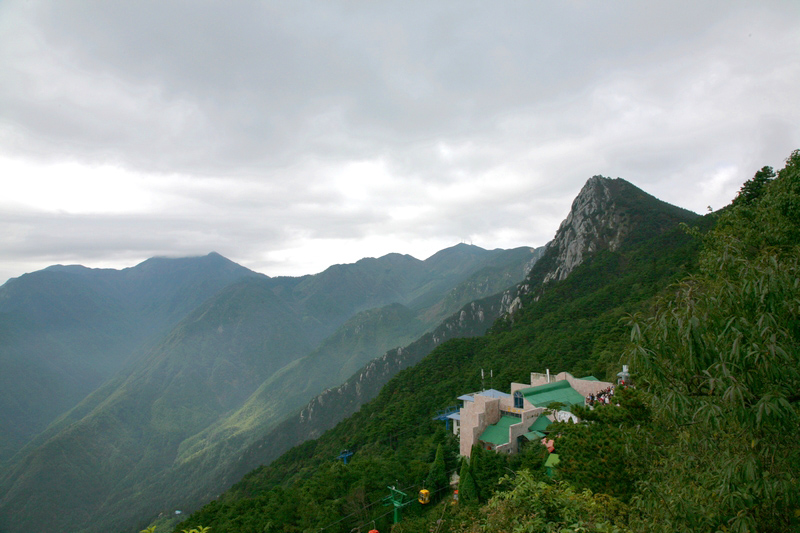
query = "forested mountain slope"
x=573 y=325
x=603 y=207
x=187 y=404
x=341 y=355
x=66 y=329
x=706 y=442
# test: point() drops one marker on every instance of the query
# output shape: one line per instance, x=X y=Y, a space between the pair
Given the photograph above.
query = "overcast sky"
x=289 y=136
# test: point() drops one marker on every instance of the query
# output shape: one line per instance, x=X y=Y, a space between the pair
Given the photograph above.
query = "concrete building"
x=503 y=422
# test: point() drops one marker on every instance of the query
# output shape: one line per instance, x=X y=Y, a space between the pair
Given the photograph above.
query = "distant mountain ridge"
x=66 y=329
x=157 y=413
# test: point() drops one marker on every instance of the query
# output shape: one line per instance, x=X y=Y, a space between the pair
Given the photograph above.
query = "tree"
x=487 y=468
x=721 y=356
x=754 y=188
x=437 y=481
x=534 y=505
x=467 y=490
x=595 y=454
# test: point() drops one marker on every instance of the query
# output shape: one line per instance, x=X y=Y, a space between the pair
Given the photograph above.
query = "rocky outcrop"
x=593 y=223
x=606 y=214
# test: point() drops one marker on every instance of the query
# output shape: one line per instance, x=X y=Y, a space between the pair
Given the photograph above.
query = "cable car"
x=424 y=496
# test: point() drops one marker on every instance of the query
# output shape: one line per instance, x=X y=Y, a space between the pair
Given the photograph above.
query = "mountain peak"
x=606 y=213
x=460 y=249
x=211 y=262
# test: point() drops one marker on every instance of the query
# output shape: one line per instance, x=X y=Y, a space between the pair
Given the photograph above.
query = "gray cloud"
x=268 y=130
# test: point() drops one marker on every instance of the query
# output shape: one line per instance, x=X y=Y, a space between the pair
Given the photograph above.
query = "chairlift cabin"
x=424 y=496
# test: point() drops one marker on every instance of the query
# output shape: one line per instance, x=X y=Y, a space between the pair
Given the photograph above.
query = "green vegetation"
x=534 y=505
x=707 y=442
x=216 y=357
x=721 y=356
x=574 y=325
x=467 y=488
x=595 y=454
x=437 y=480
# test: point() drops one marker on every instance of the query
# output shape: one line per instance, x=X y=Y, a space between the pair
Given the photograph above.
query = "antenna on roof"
x=483 y=387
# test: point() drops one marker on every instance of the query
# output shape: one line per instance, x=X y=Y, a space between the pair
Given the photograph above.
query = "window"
x=518 y=400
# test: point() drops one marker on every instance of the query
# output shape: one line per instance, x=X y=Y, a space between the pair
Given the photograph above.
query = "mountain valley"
x=245 y=395
x=198 y=393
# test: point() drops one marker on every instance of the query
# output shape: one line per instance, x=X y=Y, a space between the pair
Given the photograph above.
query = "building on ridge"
x=503 y=422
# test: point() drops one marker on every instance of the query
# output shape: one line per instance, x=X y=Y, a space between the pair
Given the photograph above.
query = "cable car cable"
x=450 y=473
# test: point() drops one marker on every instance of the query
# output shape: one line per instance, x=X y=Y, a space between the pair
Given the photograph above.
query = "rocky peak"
x=605 y=214
x=593 y=223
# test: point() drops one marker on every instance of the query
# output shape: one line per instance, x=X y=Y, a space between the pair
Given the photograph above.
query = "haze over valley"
x=254 y=256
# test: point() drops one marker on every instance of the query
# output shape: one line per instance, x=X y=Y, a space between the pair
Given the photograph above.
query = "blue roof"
x=491 y=393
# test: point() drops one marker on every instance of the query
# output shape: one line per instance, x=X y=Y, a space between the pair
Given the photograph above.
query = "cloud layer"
x=290 y=136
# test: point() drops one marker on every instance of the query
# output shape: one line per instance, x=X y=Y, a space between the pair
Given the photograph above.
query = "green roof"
x=534 y=435
x=541 y=424
x=590 y=378
x=497 y=434
x=558 y=391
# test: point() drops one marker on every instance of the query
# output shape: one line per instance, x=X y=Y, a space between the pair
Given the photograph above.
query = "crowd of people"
x=604 y=396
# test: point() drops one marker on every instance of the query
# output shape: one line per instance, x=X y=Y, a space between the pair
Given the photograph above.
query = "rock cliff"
x=606 y=214
x=594 y=222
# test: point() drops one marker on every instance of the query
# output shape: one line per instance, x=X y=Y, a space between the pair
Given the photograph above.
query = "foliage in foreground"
x=722 y=357
x=554 y=507
x=596 y=454
x=528 y=504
